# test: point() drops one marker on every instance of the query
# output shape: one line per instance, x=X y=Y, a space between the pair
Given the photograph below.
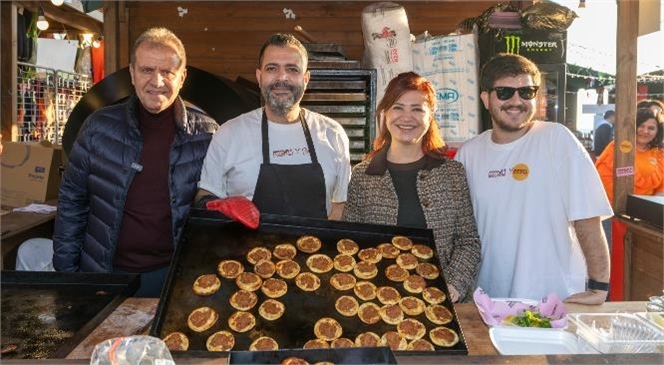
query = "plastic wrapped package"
x=618 y=333
x=135 y=350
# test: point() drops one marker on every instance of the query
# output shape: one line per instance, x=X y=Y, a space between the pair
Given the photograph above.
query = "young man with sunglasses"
x=536 y=195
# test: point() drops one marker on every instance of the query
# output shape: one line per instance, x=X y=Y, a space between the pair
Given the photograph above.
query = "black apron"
x=297 y=190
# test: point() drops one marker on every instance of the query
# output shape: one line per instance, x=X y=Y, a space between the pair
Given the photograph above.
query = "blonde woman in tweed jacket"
x=408 y=180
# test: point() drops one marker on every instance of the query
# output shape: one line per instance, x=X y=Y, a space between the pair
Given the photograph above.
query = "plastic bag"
x=134 y=350
x=547 y=16
x=494 y=311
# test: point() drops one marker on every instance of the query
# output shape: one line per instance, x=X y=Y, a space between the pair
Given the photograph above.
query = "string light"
x=42 y=23
x=97 y=42
x=87 y=39
x=57 y=2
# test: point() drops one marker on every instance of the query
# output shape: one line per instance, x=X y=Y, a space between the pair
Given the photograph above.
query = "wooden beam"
x=110 y=37
x=625 y=124
x=66 y=15
x=8 y=44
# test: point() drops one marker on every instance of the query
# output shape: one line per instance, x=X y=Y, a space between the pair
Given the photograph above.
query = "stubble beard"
x=508 y=127
x=282 y=106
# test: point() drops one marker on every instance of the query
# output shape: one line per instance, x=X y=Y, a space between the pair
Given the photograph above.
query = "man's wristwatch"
x=597 y=285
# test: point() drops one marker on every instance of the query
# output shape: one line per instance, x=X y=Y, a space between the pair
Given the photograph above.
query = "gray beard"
x=283 y=106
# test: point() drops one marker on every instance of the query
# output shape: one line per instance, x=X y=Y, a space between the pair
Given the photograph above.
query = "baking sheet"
x=210 y=238
x=352 y=355
x=47 y=314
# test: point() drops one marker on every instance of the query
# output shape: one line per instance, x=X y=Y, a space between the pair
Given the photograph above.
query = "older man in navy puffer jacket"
x=133 y=173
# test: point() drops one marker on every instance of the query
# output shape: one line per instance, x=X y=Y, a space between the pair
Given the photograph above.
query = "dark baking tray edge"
x=41 y=278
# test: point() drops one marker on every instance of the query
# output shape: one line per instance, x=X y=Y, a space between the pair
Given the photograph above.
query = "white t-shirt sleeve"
x=214 y=166
x=579 y=181
x=340 y=192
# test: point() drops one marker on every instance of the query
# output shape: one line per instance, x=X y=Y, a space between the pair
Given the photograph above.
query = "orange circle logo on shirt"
x=520 y=171
x=625 y=146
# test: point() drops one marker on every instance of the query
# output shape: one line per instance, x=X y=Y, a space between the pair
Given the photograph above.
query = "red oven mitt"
x=238 y=208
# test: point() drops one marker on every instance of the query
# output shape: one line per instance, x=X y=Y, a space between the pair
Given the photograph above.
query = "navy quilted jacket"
x=100 y=170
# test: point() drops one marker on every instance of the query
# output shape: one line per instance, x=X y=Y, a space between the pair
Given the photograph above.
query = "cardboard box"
x=30 y=173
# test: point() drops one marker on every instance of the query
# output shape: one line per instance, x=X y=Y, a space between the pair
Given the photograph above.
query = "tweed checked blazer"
x=443 y=193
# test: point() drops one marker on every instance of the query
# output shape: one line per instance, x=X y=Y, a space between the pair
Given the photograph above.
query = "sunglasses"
x=506 y=92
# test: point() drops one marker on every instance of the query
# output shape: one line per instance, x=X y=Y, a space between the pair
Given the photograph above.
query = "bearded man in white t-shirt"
x=536 y=195
x=286 y=159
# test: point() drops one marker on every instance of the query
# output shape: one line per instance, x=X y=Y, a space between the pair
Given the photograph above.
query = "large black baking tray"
x=351 y=355
x=210 y=237
x=47 y=314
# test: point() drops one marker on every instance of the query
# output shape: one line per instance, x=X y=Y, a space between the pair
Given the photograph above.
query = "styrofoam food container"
x=513 y=340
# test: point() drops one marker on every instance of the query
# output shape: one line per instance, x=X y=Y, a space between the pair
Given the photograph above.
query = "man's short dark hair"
x=507 y=65
x=283 y=40
x=609 y=114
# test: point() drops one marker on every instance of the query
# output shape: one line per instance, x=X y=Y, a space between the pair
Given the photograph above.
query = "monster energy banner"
x=542 y=47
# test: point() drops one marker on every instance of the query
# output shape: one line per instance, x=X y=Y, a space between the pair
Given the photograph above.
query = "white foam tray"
x=536 y=341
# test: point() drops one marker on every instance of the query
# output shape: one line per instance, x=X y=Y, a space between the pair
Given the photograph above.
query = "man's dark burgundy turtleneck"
x=145 y=240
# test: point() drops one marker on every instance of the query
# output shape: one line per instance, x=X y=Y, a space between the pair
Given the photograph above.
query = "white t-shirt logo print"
x=520 y=172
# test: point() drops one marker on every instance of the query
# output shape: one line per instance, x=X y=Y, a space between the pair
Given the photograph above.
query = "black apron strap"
x=310 y=141
x=265 y=139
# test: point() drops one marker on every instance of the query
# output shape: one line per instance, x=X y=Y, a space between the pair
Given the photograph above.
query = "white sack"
x=451 y=64
x=386 y=42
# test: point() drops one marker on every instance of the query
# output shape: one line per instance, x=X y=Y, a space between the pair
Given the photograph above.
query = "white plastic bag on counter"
x=134 y=350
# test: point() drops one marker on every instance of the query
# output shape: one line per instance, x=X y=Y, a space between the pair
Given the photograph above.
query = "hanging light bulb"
x=97 y=42
x=57 y=2
x=42 y=23
x=87 y=40
x=582 y=3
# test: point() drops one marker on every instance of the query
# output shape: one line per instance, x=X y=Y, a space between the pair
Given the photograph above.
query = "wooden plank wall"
x=224 y=37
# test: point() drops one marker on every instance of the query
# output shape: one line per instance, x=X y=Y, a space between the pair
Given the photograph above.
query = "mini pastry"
x=327 y=329
x=257 y=254
x=230 y=269
x=308 y=244
x=202 y=318
x=347 y=246
x=264 y=343
x=176 y=341
x=207 y=284
x=243 y=300
x=220 y=341
x=443 y=336
x=241 y=321
x=271 y=309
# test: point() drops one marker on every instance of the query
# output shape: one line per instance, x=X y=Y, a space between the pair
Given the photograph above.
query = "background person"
x=657 y=106
x=604 y=132
x=287 y=159
x=648 y=160
x=132 y=172
x=407 y=180
x=536 y=196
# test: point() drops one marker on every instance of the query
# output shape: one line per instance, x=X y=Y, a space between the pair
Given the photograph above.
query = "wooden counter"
x=643 y=274
x=135 y=316
x=20 y=226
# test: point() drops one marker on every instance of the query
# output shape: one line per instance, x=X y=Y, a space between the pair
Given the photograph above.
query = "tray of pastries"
x=301 y=283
